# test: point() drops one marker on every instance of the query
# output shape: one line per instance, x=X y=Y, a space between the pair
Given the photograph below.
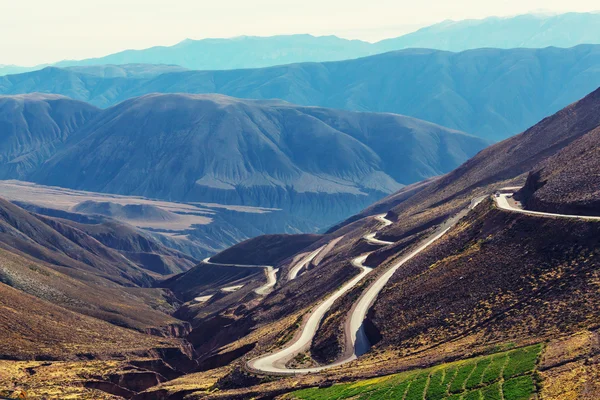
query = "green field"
x=506 y=375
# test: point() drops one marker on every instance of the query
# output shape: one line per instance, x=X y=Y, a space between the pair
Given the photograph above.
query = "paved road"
x=275 y=362
x=262 y=290
x=503 y=202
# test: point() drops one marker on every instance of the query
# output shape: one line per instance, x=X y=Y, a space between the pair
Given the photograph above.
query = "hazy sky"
x=41 y=31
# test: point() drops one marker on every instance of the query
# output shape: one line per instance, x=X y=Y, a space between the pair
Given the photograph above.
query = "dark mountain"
x=265 y=250
x=318 y=164
x=33 y=127
x=489 y=93
x=569 y=182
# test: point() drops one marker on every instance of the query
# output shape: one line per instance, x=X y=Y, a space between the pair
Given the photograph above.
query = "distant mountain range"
x=489 y=93
x=528 y=30
x=317 y=164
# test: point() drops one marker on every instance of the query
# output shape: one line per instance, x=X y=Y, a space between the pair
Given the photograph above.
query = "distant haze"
x=36 y=31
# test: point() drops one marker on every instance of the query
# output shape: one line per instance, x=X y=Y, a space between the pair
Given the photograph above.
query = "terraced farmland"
x=501 y=376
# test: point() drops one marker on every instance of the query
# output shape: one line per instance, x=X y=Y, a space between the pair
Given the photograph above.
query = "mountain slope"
x=494 y=280
x=489 y=93
x=484 y=247
x=34 y=328
x=318 y=164
x=50 y=259
x=34 y=127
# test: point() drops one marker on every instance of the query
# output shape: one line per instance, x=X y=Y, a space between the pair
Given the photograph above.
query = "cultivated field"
x=507 y=375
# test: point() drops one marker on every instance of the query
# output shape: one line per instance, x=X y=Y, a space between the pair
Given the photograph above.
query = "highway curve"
x=269 y=270
x=503 y=202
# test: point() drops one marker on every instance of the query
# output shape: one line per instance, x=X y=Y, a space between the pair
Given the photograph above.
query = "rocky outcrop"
x=175 y=330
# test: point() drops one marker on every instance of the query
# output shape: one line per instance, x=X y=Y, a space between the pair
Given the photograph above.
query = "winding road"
x=275 y=363
x=371 y=236
x=357 y=341
x=262 y=290
x=503 y=200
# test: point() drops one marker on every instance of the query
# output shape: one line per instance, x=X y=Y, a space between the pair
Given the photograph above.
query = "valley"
x=301 y=217
x=391 y=302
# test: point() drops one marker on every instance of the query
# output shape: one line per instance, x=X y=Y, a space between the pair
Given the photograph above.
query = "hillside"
x=493 y=280
x=33 y=328
x=34 y=127
x=504 y=164
x=489 y=93
x=265 y=250
x=469 y=283
x=55 y=260
x=316 y=164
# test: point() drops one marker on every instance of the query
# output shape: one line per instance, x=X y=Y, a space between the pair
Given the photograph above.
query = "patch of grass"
x=521 y=361
x=452 y=381
x=458 y=384
x=494 y=370
x=477 y=375
x=437 y=388
x=474 y=395
x=396 y=392
x=492 y=392
x=417 y=387
x=520 y=388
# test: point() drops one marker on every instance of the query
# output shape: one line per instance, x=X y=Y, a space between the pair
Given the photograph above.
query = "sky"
x=42 y=31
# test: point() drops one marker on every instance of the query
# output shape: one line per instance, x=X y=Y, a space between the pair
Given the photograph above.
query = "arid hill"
x=57 y=262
